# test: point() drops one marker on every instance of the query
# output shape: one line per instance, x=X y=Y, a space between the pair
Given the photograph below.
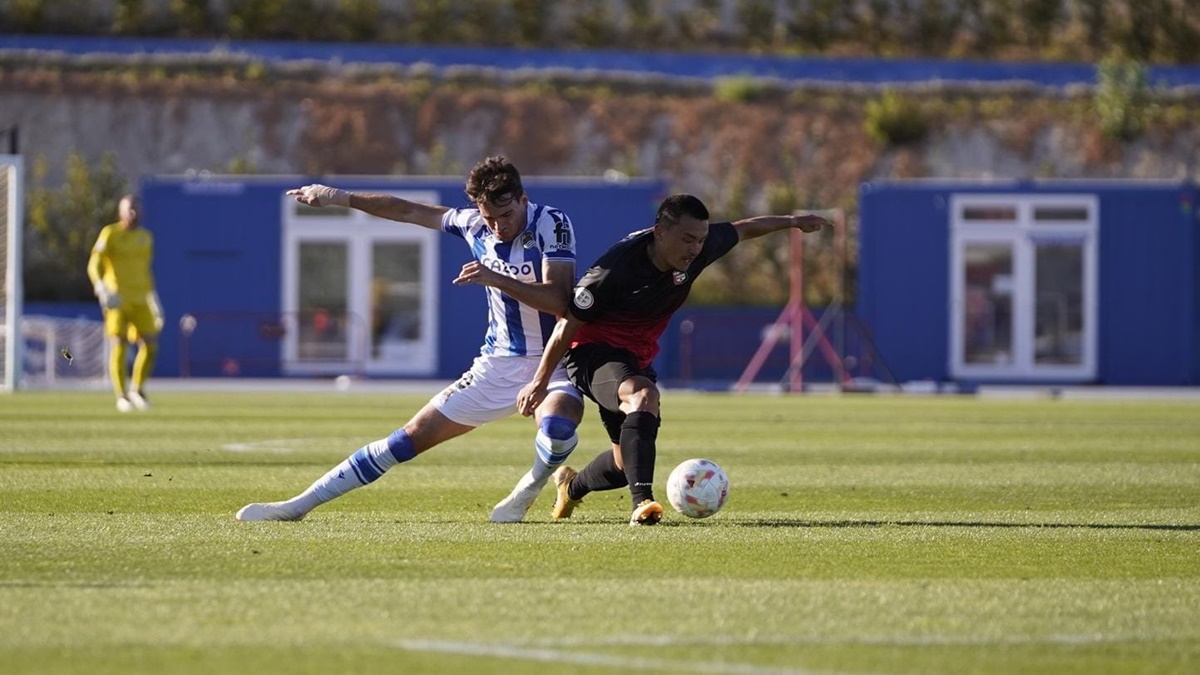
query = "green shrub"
x=895 y=119
x=591 y=24
x=1122 y=92
x=358 y=20
x=63 y=224
x=757 y=21
x=738 y=89
x=130 y=17
x=26 y=16
x=192 y=17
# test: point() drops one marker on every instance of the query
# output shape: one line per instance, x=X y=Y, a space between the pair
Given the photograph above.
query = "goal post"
x=12 y=219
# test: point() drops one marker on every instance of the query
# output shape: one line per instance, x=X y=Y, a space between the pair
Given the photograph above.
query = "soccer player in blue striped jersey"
x=524 y=256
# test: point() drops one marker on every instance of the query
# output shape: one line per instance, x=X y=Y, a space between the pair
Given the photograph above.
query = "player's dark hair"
x=677 y=206
x=494 y=180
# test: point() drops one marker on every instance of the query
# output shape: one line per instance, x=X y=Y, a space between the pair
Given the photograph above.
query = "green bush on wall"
x=895 y=119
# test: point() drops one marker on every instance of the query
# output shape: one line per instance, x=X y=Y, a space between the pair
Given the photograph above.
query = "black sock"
x=600 y=474
x=639 y=432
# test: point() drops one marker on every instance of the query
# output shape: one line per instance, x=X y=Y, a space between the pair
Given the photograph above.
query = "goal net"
x=63 y=353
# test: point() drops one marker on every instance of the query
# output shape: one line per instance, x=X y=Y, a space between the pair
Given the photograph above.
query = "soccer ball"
x=697 y=488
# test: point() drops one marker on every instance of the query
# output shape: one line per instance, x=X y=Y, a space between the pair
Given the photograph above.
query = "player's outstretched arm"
x=550 y=295
x=532 y=394
x=749 y=228
x=380 y=205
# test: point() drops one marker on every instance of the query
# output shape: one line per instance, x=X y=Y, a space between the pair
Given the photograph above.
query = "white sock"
x=362 y=468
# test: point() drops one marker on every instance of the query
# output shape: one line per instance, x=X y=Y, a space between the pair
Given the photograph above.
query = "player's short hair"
x=494 y=180
x=677 y=206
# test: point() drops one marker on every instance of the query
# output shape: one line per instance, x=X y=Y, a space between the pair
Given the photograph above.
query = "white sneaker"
x=138 y=401
x=124 y=404
x=268 y=511
x=512 y=509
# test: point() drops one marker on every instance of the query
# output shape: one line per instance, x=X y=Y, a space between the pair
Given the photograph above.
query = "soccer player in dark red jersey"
x=609 y=337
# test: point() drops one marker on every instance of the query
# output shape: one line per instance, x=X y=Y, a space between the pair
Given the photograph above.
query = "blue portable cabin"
x=255 y=284
x=1056 y=281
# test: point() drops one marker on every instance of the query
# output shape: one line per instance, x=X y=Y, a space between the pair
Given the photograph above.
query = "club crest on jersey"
x=679 y=277
x=526 y=240
x=583 y=298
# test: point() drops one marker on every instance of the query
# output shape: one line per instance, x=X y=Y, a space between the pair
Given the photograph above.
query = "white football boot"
x=512 y=509
x=123 y=404
x=138 y=401
x=269 y=511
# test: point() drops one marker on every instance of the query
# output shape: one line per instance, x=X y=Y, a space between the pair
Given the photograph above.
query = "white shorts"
x=488 y=391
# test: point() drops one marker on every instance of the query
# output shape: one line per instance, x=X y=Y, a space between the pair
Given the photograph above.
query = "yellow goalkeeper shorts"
x=131 y=321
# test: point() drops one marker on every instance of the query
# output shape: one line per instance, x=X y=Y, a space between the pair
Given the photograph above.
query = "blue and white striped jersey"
x=514 y=328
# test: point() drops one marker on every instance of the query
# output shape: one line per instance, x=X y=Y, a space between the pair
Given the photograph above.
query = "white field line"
x=562 y=650
x=547 y=655
x=817 y=640
x=279 y=446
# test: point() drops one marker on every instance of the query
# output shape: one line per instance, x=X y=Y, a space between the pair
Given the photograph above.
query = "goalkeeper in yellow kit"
x=119 y=268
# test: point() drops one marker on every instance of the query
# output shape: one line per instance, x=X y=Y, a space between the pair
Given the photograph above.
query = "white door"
x=1023 y=287
x=359 y=292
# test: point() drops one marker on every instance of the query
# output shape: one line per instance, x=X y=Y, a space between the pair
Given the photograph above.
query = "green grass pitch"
x=862 y=535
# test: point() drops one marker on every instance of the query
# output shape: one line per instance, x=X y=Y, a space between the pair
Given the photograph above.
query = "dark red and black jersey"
x=625 y=301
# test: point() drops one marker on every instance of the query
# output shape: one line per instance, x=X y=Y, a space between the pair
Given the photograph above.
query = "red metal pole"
x=796 y=293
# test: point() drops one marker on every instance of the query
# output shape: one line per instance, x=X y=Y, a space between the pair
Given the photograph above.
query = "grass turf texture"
x=873 y=534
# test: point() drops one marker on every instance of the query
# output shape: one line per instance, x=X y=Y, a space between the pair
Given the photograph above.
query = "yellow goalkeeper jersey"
x=121 y=257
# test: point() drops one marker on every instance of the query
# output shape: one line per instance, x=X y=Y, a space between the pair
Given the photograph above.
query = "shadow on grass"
x=786 y=522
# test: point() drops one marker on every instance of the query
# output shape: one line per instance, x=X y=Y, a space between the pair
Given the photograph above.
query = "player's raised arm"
x=380 y=205
x=749 y=228
x=532 y=394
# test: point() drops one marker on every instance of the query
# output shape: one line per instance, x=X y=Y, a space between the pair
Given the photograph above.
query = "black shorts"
x=598 y=370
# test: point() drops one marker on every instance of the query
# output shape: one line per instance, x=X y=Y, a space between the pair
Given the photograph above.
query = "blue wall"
x=904 y=276
x=1149 y=276
x=702 y=66
x=218 y=256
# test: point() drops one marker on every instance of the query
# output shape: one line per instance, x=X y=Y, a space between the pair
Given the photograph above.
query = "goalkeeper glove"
x=322 y=195
x=108 y=299
x=155 y=306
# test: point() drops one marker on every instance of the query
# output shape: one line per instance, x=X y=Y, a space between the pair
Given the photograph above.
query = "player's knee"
x=556 y=439
x=641 y=397
x=557 y=428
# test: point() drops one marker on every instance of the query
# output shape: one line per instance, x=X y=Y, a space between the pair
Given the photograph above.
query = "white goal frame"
x=11 y=230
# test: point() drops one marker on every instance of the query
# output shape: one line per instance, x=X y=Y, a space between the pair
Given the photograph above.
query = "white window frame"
x=360 y=231
x=1023 y=234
